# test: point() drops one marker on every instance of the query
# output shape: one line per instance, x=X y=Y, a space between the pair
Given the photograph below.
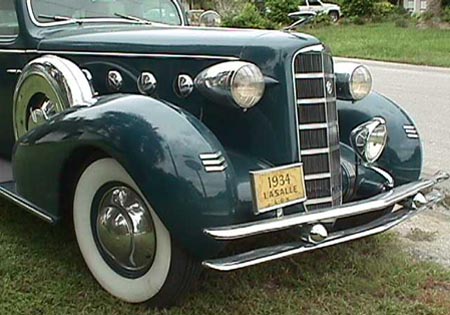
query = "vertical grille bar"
x=315 y=90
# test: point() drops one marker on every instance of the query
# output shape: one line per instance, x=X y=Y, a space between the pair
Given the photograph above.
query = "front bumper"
x=406 y=200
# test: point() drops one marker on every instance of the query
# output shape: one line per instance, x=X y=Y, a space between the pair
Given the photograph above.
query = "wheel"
x=334 y=16
x=125 y=245
x=47 y=86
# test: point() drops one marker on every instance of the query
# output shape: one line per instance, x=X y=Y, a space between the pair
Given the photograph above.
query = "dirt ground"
x=427 y=236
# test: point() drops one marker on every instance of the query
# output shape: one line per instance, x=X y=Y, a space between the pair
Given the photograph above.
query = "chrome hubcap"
x=125 y=230
x=41 y=114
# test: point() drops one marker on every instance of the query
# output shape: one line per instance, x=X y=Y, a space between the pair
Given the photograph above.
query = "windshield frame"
x=35 y=21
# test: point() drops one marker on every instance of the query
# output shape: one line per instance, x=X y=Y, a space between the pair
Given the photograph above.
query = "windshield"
x=159 y=11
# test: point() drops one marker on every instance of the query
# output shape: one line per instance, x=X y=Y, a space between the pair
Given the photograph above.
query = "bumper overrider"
x=406 y=201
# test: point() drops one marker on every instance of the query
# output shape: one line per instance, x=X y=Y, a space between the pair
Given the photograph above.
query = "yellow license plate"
x=278 y=187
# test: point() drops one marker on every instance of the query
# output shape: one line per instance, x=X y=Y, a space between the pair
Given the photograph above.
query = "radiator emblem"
x=329 y=87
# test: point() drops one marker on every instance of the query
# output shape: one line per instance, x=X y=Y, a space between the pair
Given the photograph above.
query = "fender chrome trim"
x=381 y=201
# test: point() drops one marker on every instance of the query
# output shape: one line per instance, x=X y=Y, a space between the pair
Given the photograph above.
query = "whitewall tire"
x=157 y=279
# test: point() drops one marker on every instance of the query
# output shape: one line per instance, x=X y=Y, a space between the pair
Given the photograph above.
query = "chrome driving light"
x=235 y=82
x=369 y=139
x=353 y=81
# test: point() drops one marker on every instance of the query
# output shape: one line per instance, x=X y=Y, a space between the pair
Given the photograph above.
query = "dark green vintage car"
x=166 y=143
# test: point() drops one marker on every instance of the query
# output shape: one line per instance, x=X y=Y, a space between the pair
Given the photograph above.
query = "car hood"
x=167 y=40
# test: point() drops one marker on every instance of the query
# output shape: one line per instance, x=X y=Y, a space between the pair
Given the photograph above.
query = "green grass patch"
x=385 y=41
x=41 y=272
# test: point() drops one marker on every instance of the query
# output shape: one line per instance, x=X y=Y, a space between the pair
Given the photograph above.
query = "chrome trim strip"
x=210 y=156
x=114 y=54
x=409 y=127
x=317 y=48
x=142 y=55
x=313 y=126
x=413 y=136
x=314 y=75
x=213 y=162
x=279 y=251
x=376 y=203
x=315 y=100
x=317 y=176
x=219 y=161
x=18 y=51
x=318 y=201
x=13 y=71
x=25 y=205
x=315 y=151
x=213 y=169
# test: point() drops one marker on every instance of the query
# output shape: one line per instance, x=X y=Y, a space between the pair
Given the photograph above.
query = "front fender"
x=159 y=146
x=403 y=156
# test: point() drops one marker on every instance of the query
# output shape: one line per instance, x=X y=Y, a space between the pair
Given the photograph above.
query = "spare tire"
x=48 y=85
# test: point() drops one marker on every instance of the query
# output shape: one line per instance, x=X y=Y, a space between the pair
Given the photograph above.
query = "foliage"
x=385 y=41
x=228 y=8
x=322 y=20
x=357 y=20
x=446 y=15
x=401 y=22
x=278 y=10
x=426 y=16
x=383 y=8
x=249 y=17
x=360 y=8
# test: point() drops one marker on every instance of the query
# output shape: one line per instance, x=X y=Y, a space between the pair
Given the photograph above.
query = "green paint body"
x=158 y=139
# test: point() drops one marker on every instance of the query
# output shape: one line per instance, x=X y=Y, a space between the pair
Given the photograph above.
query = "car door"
x=12 y=59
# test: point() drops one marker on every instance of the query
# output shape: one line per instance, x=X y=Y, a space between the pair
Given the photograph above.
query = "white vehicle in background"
x=319 y=7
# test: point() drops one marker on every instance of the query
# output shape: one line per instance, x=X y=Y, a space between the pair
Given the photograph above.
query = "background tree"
x=435 y=7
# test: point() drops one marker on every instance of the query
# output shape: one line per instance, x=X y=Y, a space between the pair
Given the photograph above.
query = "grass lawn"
x=41 y=272
x=385 y=41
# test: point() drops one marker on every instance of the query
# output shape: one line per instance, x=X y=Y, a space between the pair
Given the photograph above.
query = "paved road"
x=425 y=93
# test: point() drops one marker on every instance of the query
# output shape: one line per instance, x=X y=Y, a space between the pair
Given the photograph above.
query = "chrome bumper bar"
x=409 y=199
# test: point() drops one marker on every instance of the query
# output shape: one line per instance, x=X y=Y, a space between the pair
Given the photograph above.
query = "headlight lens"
x=369 y=139
x=247 y=86
x=353 y=81
x=235 y=83
x=360 y=83
x=376 y=143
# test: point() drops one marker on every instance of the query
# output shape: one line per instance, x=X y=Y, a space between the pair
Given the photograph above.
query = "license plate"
x=278 y=187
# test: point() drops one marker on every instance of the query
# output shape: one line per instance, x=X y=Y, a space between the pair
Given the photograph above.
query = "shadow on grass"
x=42 y=272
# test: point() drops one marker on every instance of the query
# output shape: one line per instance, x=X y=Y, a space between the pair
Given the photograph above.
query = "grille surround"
x=317 y=126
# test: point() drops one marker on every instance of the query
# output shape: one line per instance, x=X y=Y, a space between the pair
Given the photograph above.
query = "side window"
x=314 y=2
x=9 y=25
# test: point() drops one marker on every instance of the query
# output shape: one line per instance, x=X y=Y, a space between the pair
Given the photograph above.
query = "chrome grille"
x=318 y=131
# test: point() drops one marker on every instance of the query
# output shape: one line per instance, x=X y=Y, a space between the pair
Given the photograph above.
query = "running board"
x=8 y=191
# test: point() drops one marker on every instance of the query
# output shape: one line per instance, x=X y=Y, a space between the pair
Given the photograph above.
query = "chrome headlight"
x=369 y=139
x=235 y=82
x=353 y=81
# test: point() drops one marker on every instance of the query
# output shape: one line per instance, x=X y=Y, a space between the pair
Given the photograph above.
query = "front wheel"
x=125 y=245
x=334 y=16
